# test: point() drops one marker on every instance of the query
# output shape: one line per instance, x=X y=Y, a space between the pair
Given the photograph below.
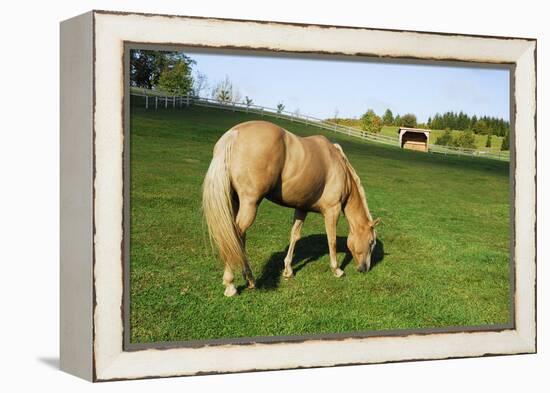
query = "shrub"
x=465 y=140
x=226 y=91
x=370 y=122
x=408 y=120
x=446 y=139
x=481 y=127
x=176 y=79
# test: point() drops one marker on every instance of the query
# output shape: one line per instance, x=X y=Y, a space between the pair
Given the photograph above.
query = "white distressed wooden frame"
x=92 y=48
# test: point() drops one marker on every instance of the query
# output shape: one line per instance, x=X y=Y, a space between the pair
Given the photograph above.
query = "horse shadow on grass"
x=309 y=249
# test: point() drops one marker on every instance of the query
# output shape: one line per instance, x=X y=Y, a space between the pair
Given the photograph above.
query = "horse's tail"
x=217 y=205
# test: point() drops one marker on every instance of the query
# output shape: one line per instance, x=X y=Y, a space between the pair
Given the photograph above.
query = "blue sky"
x=319 y=87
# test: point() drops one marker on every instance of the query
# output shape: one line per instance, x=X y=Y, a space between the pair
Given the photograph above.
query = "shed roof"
x=410 y=129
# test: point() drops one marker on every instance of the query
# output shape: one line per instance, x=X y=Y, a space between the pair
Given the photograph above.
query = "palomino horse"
x=256 y=160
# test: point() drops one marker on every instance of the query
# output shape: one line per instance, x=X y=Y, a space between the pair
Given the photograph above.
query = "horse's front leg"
x=331 y=219
x=299 y=218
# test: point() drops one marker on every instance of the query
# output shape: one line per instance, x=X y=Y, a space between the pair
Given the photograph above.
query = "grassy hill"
x=442 y=258
x=480 y=140
x=496 y=141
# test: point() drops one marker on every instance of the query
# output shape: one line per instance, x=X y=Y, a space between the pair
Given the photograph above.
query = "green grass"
x=442 y=257
x=496 y=141
x=480 y=140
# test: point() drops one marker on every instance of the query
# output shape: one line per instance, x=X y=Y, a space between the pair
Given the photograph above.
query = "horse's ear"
x=375 y=222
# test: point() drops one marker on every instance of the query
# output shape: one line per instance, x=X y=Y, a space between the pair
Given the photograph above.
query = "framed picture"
x=246 y=195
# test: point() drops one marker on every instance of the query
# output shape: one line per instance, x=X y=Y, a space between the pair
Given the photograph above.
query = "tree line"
x=461 y=121
x=468 y=125
x=371 y=122
x=173 y=73
x=484 y=125
x=167 y=71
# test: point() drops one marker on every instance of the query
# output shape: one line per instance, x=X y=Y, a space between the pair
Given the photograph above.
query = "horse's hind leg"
x=299 y=218
x=245 y=218
x=247 y=271
x=331 y=219
x=228 y=277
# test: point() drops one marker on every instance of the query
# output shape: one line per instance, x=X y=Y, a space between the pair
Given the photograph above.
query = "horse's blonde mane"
x=356 y=179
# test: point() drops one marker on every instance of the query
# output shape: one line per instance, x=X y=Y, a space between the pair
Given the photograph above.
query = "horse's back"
x=268 y=161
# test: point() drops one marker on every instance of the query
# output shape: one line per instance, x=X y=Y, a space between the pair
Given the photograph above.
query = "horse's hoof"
x=288 y=273
x=251 y=285
x=230 y=290
x=338 y=272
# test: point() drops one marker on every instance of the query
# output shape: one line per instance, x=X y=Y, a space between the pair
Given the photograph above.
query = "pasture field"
x=480 y=140
x=442 y=257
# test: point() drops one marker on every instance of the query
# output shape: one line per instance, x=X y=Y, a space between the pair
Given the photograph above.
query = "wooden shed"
x=414 y=138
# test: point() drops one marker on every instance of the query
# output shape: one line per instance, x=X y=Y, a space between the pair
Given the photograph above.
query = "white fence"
x=156 y=101
x=496 y=155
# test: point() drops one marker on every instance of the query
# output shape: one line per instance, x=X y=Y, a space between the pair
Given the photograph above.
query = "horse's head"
x=361 y=243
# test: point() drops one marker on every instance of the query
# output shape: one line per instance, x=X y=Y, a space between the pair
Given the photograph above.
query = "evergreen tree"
x=462 y=121
x=473 y=122
x=506 y=142
x=488 y=143
x=387 y=119
x=397 y=121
